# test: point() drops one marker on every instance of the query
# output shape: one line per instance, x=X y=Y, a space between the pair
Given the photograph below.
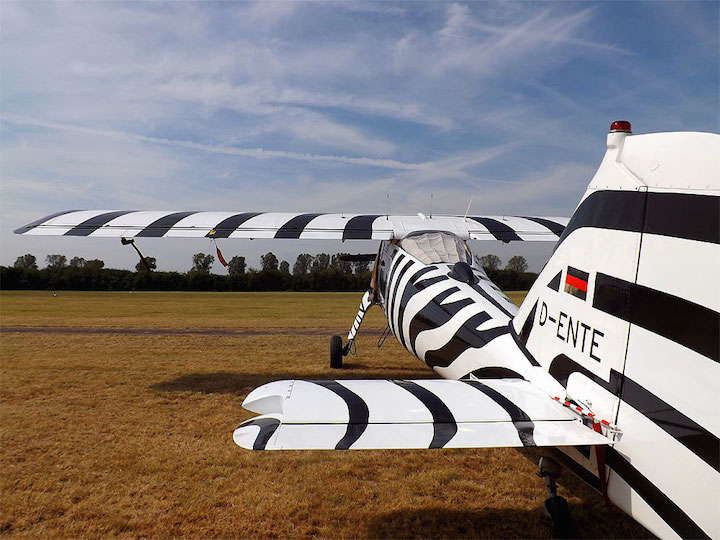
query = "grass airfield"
x=105 y=433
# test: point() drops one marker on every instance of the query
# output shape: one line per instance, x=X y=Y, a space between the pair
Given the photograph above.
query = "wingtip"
x=30 y=226
x=255 y=433
x=245 y=436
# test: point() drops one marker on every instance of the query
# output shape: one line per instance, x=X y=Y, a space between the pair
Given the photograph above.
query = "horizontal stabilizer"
x=360 y=257
x=157 y=224
x=356 y=414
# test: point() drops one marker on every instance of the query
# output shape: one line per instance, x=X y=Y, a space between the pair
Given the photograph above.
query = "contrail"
x=258 y=153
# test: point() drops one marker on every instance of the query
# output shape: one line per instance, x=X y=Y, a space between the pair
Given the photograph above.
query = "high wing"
x=371 y=414
x=156 y=224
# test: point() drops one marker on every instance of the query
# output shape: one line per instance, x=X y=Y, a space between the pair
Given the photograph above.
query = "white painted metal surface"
x=488 y=413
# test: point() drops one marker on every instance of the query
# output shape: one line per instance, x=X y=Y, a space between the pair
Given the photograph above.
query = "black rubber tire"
x=336 y=352
x=556 y=509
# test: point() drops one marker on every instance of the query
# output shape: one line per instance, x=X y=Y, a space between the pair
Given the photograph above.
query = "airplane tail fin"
x=626 y=316
x=636 y=267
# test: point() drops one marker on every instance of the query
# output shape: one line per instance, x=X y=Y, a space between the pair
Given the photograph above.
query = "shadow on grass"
x=242 y=383
x=497 y=523
x=443 y=523
x=592 y=518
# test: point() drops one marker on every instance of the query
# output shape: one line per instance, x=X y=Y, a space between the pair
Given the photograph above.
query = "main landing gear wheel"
x=557 y=511
x=336 y=352
x=555 y=507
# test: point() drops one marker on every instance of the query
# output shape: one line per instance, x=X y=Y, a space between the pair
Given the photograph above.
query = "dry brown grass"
x=180 y=310
x=122 y=435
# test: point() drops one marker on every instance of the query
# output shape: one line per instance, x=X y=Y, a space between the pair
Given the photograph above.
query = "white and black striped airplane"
x=611 y=362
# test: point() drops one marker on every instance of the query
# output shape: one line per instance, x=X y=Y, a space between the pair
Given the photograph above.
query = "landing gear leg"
x=337 y=350
x=555 y=508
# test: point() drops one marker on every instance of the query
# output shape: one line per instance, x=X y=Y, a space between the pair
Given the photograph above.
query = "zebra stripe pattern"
x=365 y=304
x=662 y=377
x=157 y=224
x=438 y=318
x=351 y=414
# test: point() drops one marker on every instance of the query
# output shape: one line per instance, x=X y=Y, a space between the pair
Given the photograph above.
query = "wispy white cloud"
x=258 y=153
x=33 y=186
x=265 y=15
x=380 y=8
x=401 y=110
x=533 y=45
x=328 y=106
x=449 y=168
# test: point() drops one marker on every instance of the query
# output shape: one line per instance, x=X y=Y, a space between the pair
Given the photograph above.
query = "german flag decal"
x=576 y=282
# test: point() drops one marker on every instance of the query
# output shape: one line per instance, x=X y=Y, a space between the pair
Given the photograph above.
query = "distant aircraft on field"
x=611 y=362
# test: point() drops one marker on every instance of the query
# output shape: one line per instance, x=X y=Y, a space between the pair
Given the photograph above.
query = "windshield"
x=436 y=247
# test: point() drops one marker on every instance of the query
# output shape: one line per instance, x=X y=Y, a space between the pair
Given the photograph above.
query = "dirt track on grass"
x=180 y=331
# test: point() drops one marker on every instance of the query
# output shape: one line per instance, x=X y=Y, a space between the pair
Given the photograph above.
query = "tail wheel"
x=336 y=352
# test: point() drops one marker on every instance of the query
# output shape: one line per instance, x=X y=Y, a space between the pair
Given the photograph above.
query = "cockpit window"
x=436 y=247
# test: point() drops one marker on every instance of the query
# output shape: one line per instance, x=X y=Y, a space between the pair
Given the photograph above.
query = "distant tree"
x=517 y=264
x=56 y=261
x=269 y=261
x=490 y=262
x=236 y=265
x=302 y=264
x=345 y=267
x=152 y=263
x=285 y=267
x=77 y=262
x=320 y=262
x=94 y=265
x=202 y=262
x=26 y=261
x=361 y=266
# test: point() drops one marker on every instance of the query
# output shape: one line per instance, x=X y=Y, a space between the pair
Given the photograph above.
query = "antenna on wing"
x=387 y=204
x=431 y=200
x=467 y=210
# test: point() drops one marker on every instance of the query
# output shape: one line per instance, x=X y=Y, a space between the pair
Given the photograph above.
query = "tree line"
x=304 y=264
x=320 y=272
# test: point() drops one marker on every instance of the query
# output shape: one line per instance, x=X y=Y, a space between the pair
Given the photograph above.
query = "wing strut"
x=365 y=304
x=337 y=350
x=600 y=457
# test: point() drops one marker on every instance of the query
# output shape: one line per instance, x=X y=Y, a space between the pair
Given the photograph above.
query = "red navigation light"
x=622 y=126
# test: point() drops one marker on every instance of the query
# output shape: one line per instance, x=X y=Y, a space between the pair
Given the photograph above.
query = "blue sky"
x=328 y=106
